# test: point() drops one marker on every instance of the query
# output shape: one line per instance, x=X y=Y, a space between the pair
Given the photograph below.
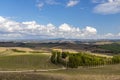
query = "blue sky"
x=60 y=19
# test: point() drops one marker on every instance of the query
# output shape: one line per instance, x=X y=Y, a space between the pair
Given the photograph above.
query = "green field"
x=19 y=60
x=114 y=47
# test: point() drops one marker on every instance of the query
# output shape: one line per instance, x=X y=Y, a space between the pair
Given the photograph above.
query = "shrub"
x=54 y=57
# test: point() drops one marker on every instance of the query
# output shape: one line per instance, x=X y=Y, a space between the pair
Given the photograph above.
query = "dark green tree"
x=73 y=61
x=116 y=59
x=54 y=57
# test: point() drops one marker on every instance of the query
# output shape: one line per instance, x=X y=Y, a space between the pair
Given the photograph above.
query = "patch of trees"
x=113 y=48
x=74 y=60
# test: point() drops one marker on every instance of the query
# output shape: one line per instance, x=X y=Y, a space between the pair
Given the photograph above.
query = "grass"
x=108 y=72
x=99 y=70
x=26 y=61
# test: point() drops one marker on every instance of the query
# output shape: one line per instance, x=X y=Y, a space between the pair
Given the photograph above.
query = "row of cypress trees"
x=74 y=60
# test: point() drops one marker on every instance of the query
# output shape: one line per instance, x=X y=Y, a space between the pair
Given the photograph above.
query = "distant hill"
x=77 y=45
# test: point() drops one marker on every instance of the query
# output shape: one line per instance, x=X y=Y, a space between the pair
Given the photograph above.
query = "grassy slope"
x=104 y=70
x=25 y=61
x=107 y=72
x=12 y=58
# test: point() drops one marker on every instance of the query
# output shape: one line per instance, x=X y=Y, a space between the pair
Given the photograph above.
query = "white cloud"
x=109 y=35
x=65 y=27
x=109 y=7
x=31 y=29
x=2 y=19
x=72 y=3
x=91 y=30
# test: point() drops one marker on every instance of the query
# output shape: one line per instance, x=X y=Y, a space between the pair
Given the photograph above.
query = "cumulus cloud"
x=31 y=29
x=109 y=7
x=65 y=27
x=109 y=35
x=10 y=28
x=91 y=30
x=72 y=3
